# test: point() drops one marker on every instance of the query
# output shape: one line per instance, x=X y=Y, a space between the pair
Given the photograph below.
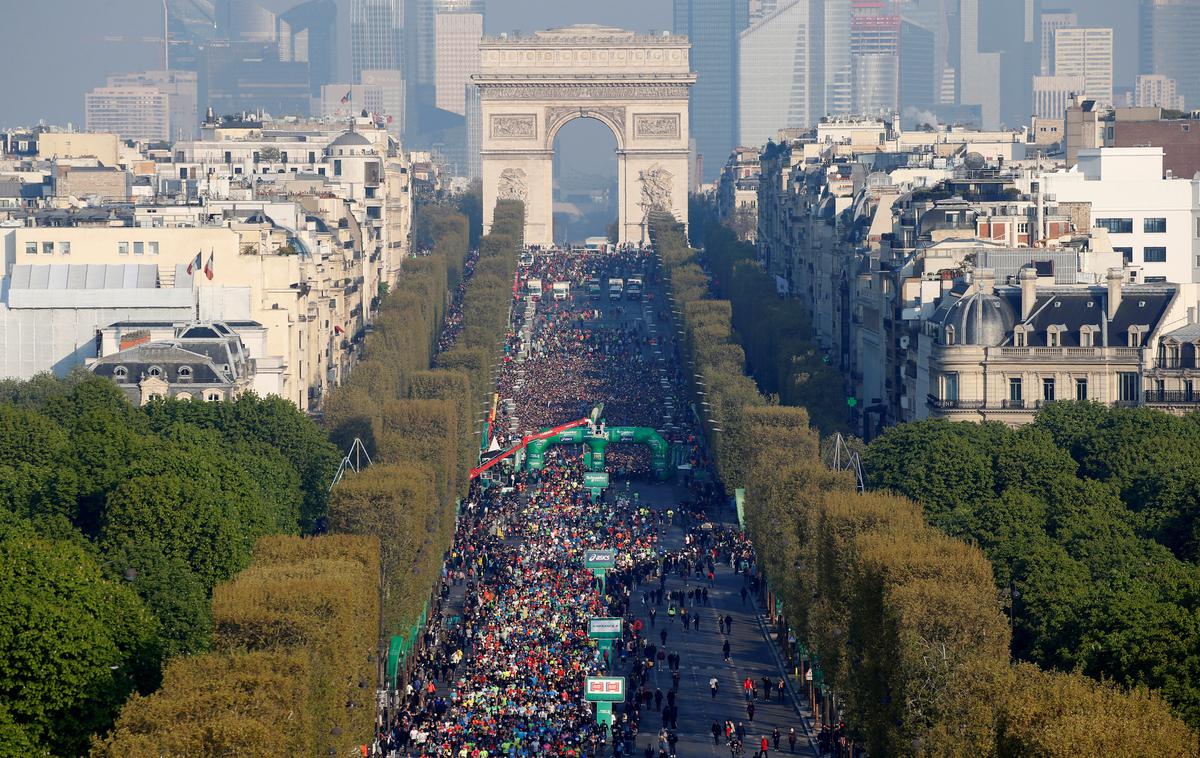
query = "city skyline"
x=113 y=37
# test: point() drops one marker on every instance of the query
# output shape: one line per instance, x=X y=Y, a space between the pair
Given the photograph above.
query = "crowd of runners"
x=502 y=672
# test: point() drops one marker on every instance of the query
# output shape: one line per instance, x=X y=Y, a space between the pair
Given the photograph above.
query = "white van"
x=533 y=289
x=562 y=290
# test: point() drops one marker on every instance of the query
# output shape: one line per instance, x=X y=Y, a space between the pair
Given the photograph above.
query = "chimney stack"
x=1028 y=279
x=1116 y=277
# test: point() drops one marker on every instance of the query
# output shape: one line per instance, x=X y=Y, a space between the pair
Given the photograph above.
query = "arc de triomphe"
x=638 y=86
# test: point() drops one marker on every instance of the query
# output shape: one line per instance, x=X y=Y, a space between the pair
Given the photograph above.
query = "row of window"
x=47 y=248
x=1125 y=225
x=64 y=248
x=1128 y=388
x=1149 y=254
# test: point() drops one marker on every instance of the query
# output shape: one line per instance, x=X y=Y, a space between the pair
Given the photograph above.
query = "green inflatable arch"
x=597 y=444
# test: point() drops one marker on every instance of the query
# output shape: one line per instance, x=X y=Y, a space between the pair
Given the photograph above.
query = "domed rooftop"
x=978 y=318
x=351 y=139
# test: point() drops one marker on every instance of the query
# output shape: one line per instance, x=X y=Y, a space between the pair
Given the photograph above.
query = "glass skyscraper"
x=376 y=36
x=1169 y=31
x=713 y=27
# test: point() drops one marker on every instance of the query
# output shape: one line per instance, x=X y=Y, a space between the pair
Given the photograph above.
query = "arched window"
x=213 y=397
x=1019 y=336
x=185 y=373
x=120 y=372
x=155 y=371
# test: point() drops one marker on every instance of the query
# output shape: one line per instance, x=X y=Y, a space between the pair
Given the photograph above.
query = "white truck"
x=561 y=290
x=616 y=287
x=533 y=289
x=633 y=289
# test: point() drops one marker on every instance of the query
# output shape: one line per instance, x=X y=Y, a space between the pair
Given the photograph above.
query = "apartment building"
x=943 y=283
x=287 y=233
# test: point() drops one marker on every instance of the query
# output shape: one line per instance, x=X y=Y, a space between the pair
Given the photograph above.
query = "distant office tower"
x=777 y=86
x=998 y=56
x=244 y=21
x=308 y=34
x=837 y=79
x=939 y=18
x=1087 y=53
x=391 y=85
x=179 y=87
x=1052 y=94
x=918 y=66
x=376 y=36
x=248 y=76
x=1169 y=31
x=474 y=132
x=134 y=112
x=457 y=36
x=713 y=27
x=875 y=57
x=1052 y=20
x=1156 y=91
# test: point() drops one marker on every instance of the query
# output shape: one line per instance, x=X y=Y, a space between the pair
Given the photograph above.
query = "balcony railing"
x=1066 y=353
x=1172 y=397
x=942 y=404
x=954 y=405
x=1175 y=363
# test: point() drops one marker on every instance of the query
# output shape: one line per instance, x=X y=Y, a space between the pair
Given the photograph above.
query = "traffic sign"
x=600 y=559
x=604 y=628
x=604 y=689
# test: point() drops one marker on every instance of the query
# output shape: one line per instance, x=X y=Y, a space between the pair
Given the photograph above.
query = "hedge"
x=905 y=622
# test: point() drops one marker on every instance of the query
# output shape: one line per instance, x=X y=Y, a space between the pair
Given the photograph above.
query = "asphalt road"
x=752 y=653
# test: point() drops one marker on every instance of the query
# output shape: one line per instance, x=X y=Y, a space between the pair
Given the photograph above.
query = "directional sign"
x=604 y=628
x=606 y=689
x=600 y=559
x=595 y=479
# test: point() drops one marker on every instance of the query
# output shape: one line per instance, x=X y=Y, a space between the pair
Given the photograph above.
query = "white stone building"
x=1151 y=220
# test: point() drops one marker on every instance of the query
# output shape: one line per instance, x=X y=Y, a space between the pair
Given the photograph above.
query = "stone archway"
x=638 y=86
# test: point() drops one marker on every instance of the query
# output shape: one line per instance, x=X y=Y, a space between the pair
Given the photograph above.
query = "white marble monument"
x=637 y=85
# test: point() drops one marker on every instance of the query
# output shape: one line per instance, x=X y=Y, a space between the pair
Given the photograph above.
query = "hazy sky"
x=55 y=50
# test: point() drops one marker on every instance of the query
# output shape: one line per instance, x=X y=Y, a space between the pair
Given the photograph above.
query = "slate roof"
x=1075 y=307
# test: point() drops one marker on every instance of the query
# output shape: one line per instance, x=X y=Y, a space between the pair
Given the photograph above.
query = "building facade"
x=180 y=87
x=134 y=112
x=1168 y=30
x=1157 y=91
x=1087 y=53
x=713 y=27
x=1052 y=95
x=1053 y=19
x=776 y=86
x=457 y=36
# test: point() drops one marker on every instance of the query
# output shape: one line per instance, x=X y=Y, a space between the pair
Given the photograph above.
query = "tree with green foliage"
x=73 y=644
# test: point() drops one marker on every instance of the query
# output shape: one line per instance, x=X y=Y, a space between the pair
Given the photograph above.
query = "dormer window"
x=185 y=373
x=120 y=372
x=1052 y=336
x=948 y=336
x=155 y=371
x=1135 y=336
x=1019 y=336
x=1087 y=335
